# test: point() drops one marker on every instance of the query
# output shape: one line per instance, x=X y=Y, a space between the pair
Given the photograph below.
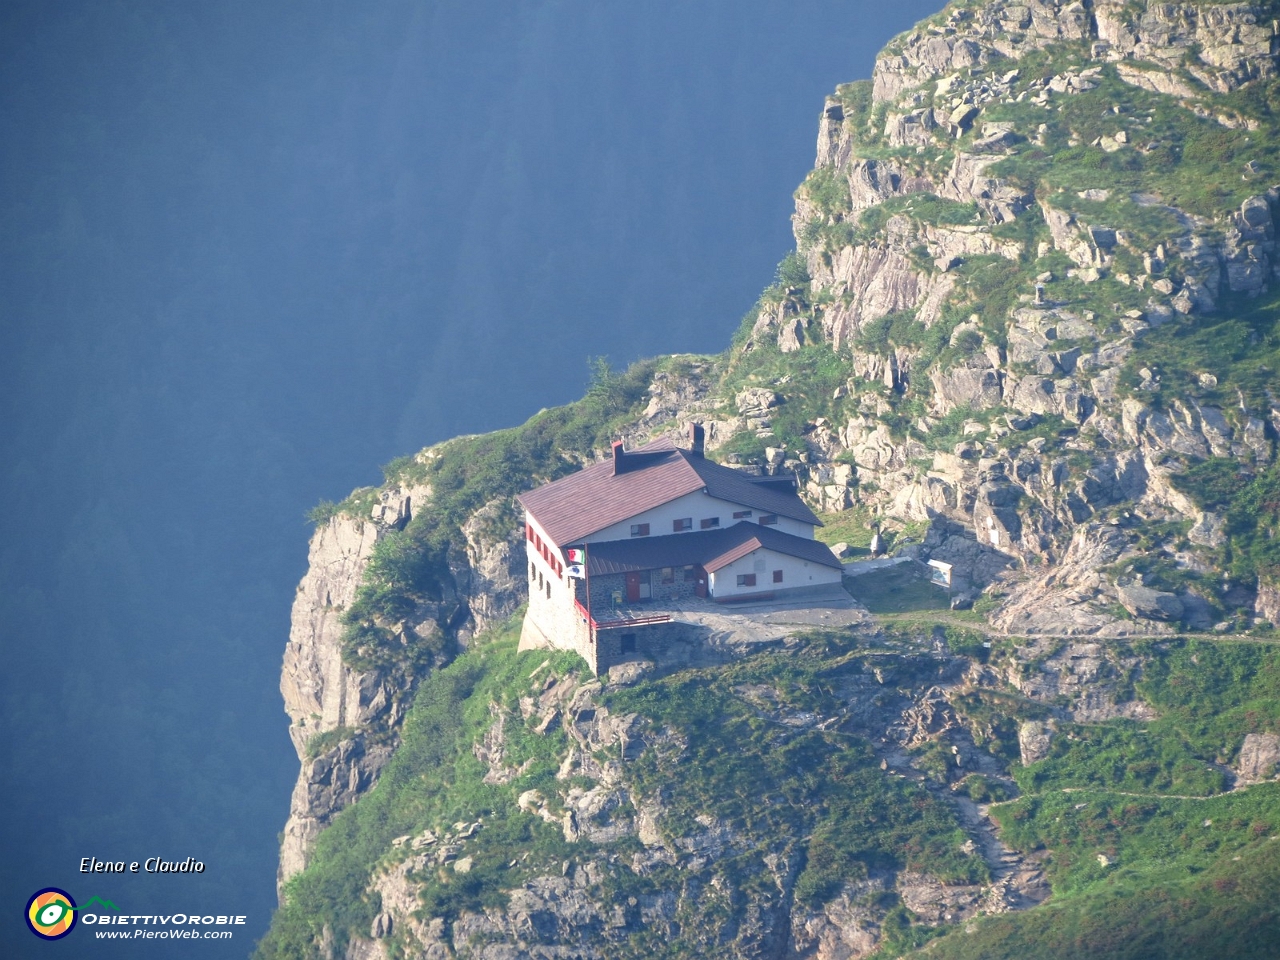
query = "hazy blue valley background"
x=250 y=251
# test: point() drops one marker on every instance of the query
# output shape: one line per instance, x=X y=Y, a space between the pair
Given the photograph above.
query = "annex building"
x=654 y=525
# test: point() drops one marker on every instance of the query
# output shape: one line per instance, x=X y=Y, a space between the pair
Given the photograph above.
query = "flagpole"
x=586 y=569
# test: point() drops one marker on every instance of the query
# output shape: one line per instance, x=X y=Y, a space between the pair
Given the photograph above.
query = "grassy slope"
x=1189 y=874
x=433 y=781
x=1227 y=910
x=780 y=788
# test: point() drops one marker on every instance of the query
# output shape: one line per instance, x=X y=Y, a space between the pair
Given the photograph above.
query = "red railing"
x=620 y=621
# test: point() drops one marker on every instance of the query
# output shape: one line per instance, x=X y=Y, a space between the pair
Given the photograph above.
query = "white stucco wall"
x=554 y=615
x=697 y=506
x=534 y=554
x=762 y=562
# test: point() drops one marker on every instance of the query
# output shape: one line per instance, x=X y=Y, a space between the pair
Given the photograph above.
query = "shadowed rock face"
x=1149 y=604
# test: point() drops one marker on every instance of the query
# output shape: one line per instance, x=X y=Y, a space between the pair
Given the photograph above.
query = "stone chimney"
x=697 y=439
x=619 y=457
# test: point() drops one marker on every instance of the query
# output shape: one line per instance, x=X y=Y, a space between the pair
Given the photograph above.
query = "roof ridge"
x=598 y=496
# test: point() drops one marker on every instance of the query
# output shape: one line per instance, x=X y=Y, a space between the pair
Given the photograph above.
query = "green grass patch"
x=812 y=373
x=1239 y=345
x=898 y=589
x=1211 y=694
x=1227 y=910
x=324 y=742
x=852 y=526
x=1122 y=755
x=1189 y=162
x=1143 y=839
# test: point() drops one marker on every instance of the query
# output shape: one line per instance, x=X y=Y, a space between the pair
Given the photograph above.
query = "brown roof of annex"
x=634 y=481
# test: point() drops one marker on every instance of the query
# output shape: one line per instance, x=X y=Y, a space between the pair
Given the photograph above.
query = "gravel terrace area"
x=769 y=620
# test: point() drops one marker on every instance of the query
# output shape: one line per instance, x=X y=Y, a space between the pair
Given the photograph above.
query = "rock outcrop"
x=344 y=720
x=915 y=178
x=1259 y=757
x=322 y=694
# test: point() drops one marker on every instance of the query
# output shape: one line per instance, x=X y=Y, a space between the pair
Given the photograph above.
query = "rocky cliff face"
x=343 y=720
x=993 y=244
x=321 y=693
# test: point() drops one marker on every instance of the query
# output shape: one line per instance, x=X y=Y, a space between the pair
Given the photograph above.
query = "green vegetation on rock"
x=433 y=781
x=1225 y=910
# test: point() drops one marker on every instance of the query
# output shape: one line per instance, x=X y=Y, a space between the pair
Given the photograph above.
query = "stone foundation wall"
x=680 y=589
x=554 y=622
x=666 y=644
x=603 y=587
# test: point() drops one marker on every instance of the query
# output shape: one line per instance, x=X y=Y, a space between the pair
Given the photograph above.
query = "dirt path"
x=947 y=618
x=1017 y=880
x=1123 y=793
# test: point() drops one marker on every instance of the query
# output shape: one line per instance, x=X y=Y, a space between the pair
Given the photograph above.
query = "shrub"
x=322 y=512
x=792 y=271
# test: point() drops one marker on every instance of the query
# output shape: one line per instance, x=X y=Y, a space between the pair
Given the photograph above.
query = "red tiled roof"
x=748 y=545
x=578 y=505
x=712 y=549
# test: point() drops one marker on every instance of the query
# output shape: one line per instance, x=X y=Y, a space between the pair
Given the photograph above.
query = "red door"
x=633 y=587
x=699 y=582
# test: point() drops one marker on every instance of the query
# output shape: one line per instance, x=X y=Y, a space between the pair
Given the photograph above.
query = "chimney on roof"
x=697 y=440
x=619 y=456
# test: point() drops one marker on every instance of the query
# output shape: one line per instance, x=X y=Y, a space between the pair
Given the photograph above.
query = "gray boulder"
x=1034 y=739
x=1259 y=756
x=1148 y=604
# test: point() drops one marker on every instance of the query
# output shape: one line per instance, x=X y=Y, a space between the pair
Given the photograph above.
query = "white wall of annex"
x=762 y=562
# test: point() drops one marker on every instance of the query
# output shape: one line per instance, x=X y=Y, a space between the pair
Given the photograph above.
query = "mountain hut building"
x=657 y=525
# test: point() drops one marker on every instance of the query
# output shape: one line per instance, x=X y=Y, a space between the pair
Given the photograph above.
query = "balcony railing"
x=613 y=623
